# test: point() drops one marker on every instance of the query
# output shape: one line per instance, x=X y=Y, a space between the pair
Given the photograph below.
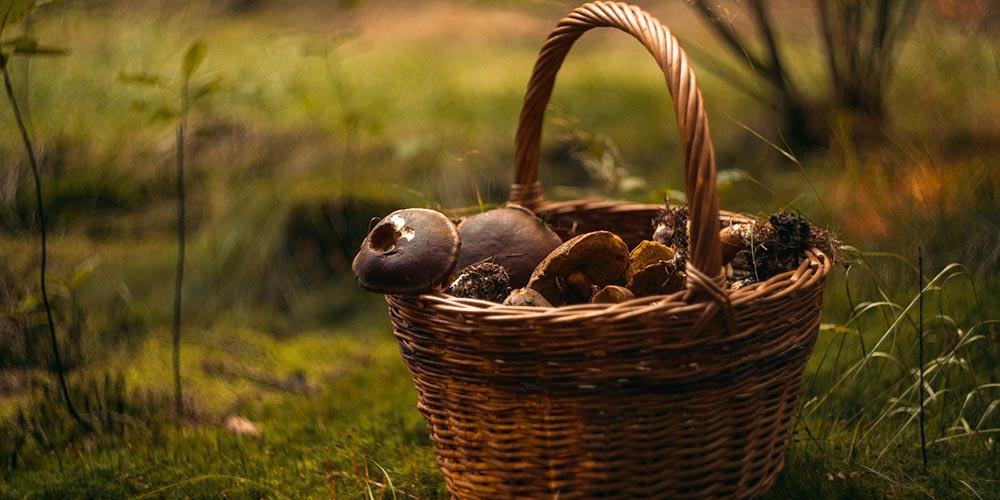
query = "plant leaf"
x=164 y=113
x=731 y=176
x=193 y=58
x=14 y=42
x=12 y=11
x=205 y=89
x=81 y=275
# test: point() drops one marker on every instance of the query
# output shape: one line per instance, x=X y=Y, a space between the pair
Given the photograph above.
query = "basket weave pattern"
x=689 y=396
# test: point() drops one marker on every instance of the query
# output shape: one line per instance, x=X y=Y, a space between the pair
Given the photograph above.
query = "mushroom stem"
x=580 y=285
x=735 y=238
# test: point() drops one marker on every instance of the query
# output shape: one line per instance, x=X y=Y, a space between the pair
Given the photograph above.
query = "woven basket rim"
x=812 y=270
x=559 y=344
x=743 y=294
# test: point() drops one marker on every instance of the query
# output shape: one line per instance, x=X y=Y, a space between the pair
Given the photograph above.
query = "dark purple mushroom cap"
x=410 y=251
x=512 y=236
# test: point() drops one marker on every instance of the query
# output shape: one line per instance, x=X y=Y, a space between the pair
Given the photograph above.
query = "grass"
x=862 y=395
x=321 y=118
x=360 y=414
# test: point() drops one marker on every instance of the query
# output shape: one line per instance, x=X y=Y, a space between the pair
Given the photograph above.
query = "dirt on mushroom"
x=762 y=250
x=483 y=281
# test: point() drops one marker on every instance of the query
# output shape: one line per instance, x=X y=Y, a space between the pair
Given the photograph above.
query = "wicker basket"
x=689 y=396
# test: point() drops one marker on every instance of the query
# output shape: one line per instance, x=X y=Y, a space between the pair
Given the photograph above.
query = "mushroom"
x=526 y=297
x=410 y=251
x=652 y=270
x=576 y=287
x=483 y=281
x=730 y=242
x=646 y=253
x=612 y=294
x=591 y=259
x=735 y=238
x=511 y=236
x=660 y=278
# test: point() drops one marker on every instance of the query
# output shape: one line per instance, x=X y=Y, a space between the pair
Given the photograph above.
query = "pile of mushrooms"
x=415 y=250
x=508 y=255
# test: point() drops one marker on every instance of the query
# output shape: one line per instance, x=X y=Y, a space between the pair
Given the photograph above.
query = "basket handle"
x=692 y=122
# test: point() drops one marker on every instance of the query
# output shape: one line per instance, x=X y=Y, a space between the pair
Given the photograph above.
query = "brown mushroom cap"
x=512 y=236
x=660 y=278
x=612 y=294
x=601 y=256
x=646 y=253
x=410 y=251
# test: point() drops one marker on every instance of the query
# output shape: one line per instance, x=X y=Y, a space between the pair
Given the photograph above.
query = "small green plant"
x=193 y=58
x=599 y=156
x=23 y=316
x=25 y=46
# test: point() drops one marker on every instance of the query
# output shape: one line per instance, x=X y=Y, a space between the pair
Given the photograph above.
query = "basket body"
x=621 y=404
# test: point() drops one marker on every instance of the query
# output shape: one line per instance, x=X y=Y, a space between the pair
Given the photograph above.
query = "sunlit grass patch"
x=357 y=414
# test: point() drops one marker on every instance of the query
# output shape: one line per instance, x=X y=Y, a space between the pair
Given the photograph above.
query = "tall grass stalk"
x=40 y=206
x=920 y=343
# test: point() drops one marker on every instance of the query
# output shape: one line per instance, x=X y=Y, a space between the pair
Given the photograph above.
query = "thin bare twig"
x=778 y=74
x=40 y=206
x=829 y=45
x=908 y=11
x=717 y=65
x=292 y=384
x=727 y=33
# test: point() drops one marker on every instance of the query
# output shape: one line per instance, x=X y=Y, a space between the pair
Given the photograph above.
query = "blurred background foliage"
x=312 y=117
